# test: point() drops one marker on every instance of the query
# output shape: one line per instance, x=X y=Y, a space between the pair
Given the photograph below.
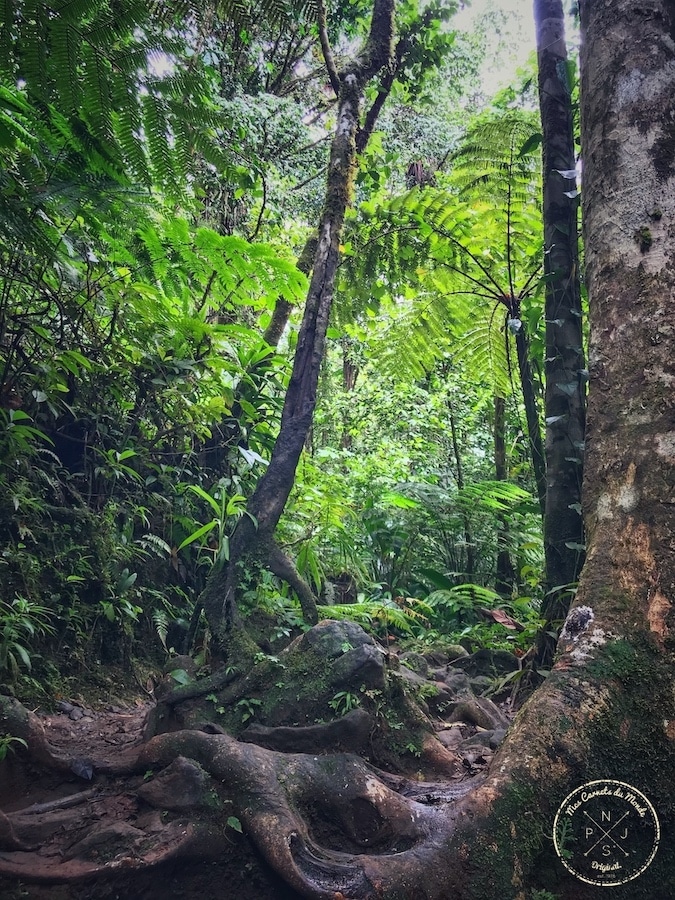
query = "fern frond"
x=481 y=349
x=158 y=135
x=369 y=611
x=66 y=48
x=96 y=99
x=493 y=496
x=275 y=11
x=463 y=596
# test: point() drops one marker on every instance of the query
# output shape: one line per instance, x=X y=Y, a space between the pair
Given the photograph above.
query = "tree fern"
x=469 y=253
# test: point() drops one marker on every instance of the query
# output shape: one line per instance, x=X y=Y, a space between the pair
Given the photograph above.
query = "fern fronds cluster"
x=452 y=264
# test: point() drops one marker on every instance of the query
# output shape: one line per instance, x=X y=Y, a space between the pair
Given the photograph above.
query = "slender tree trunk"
x=283 y=308
x=468 y=536
x=565 y=401
x=506 y=575
x=253 y=537
x=532 y=415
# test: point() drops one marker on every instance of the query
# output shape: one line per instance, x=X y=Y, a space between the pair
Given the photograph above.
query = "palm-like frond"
x=464 y=256
x=281 y=11
x=403 y=615
x=98 y=62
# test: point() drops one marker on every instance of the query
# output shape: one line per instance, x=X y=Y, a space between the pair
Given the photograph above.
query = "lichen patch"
x=588 y=644
x=665 y=445
x=625 y=497
x=578 y=620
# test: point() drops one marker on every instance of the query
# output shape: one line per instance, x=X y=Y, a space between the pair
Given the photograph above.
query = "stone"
x=416 y=662
x=451 y=738
x=477 y=711
x=493 y=663
x=182 y=785
x=458 y=683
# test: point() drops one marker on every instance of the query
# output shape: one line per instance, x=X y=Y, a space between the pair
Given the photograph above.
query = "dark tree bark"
x=505 y=577
x=253 y=538
x=565 y=401
x=283 y=308
x=532 y=415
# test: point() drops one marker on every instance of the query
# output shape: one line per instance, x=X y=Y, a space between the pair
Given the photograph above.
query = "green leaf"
x=23 y=653
x=531 y=144
x=200 y=492
x=393 y=498
x=199 y=533
x=438 y=579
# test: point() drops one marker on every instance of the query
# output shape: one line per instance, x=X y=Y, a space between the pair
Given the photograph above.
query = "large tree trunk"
x=565 y=402
x=254 y=535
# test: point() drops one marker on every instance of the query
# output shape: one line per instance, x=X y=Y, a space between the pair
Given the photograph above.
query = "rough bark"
x=565 y=401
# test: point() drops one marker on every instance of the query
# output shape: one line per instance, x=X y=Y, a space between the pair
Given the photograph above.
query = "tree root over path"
x=333 y=826
x=321 y=821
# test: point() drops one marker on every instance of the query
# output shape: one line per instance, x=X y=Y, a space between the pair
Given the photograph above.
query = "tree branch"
x=326 y=50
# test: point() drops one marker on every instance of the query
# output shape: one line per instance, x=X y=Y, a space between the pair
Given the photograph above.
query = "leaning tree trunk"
x=565 y=401
x=253 y=537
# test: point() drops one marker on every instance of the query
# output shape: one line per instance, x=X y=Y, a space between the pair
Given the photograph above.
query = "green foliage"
x=343 y=702
x=225 y=508
x=451 y=264
x=138 y=402
x=282 y=11
x=123 y=371
x=21 y=622
x=248 y=707
x=234 y=823
x=180 y=676
x=385 y=613
x=6 y=741
x=131 y=97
